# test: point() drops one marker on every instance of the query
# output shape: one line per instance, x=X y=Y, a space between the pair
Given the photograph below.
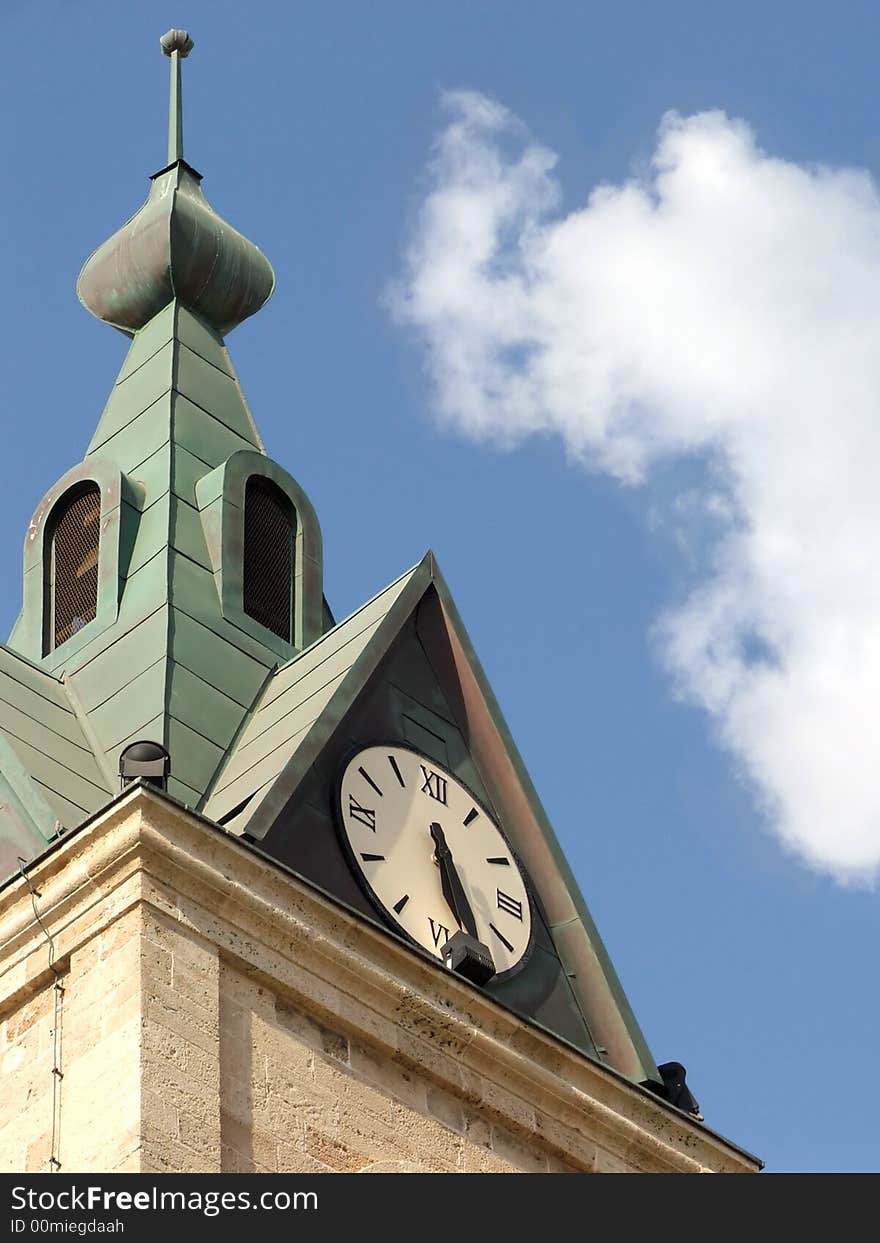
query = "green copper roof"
x=170 y=656
x=169 y=666
x=49 y=773
x=294 y=708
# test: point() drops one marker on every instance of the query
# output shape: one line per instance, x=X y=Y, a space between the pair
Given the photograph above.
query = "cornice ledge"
x=387 y=976
x=145 y=848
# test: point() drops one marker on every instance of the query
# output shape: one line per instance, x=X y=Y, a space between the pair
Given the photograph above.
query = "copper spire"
x=176 y=246
x=177 y=45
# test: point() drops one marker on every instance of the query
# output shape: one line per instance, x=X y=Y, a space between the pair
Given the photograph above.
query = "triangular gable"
x=308 y=700
x=302 y=701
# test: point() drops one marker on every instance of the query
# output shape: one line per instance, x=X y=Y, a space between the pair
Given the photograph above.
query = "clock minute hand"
x=450 y=883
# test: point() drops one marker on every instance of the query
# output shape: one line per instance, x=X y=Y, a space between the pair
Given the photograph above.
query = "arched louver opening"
x=268 y=556
x=72 y=566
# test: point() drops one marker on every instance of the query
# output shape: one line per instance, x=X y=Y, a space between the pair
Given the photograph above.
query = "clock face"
x=389 y=798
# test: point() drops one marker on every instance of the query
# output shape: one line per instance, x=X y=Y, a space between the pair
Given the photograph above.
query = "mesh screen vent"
x=74 y=566
x=268 y=556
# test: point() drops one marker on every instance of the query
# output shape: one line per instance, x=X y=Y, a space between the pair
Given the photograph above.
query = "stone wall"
x=217 y=1014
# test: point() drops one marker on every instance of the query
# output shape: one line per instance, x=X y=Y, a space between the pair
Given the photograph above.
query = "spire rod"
x=176 y=45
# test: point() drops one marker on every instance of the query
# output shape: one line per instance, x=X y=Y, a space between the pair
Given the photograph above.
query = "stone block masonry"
x=218 y=1014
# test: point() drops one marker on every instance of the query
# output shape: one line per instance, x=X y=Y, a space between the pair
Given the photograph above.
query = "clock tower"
x=276 y=890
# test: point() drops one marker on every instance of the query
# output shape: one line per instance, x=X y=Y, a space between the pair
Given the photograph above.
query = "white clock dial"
x=389 y=797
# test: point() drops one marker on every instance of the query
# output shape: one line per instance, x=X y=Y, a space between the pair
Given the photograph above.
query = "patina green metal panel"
x=194 y=592
x=19 y=836
x=66 y=814
x=201 y=755
x=236 y=820
x=49 y=771
x=58 y=778
x=152 y=533
x=309 y=681
x=125 y=659
x=137 y=393
x=26 y=633
x=186 y=471
x=258 y=776
x=151 y=476
x=187 y=535
x=46 y=712
x=30 y=800
x=19 y=727
x=196 y=430
x=216 y=392
x=153 y=730
x=197 y=336
x=209 y=490
x=202 y=707
x=353 y=633
x=185 y=794
x=142 y=699
x=16 y=671
x=303 y=711
x=143 y=590
x=158 y=332
x=142 y=437
x=142 y=594
x=215 y=660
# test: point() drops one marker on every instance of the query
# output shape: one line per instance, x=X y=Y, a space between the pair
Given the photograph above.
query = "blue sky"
x=748 y=960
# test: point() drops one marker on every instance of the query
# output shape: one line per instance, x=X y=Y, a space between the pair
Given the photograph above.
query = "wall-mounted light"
x=145 y=759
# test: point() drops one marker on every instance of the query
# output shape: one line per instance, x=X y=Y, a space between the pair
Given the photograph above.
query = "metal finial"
x=177 y=45
x=176 y=41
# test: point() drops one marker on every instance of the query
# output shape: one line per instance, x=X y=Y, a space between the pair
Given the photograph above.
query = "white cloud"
x=724 y=307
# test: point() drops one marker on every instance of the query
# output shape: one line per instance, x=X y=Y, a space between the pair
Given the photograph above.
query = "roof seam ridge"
x=335 y=629
x=178 y=392
x=206 y=361
x=43 y=725
x=119 y=383
x=9 y=734
x=311 y=651
x=24 y=660
x=96 y=655
x=227 y=755
x=284 y=743
x=93 y=450
x=88 y=732
x=299 y=703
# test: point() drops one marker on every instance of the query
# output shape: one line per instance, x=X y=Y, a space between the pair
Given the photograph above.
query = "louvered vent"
x=73 y=567
x=268 y=556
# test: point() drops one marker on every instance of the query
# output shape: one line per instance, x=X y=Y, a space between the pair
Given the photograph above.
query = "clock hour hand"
x=450 y=883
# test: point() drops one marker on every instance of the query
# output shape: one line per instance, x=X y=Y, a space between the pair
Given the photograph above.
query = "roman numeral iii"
x=509 y=904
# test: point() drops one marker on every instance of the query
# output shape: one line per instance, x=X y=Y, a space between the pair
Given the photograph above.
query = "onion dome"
x=176 y=246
